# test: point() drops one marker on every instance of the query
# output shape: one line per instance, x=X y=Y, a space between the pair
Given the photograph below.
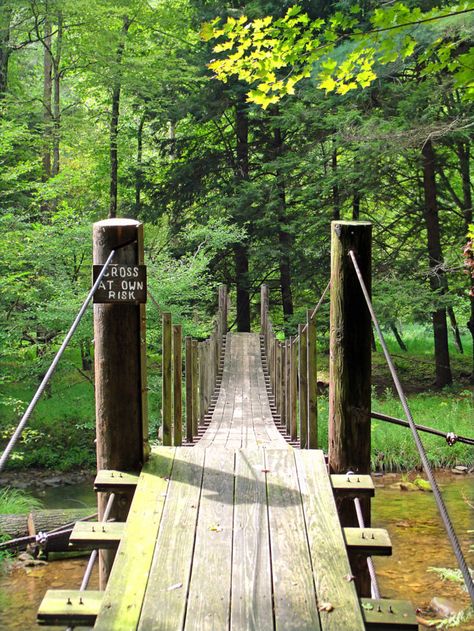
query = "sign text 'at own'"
x=121 y=283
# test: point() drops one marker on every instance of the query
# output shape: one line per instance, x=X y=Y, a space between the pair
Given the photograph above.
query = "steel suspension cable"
x=450 y=437
x=370 y=564
x=421 y=450
x=21 y=425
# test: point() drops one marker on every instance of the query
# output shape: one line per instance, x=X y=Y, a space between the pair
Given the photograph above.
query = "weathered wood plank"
x=127 y=583
x=389 y=615
x=368 y=541
x=312 y=381
x=111 y=481
x=352 y=485
x=251 y=608
x=63 y=607
x=96 y=534
x=164 y=604
x=303 y=384
x=293 y=586
x=328 y=552
x=209 y=592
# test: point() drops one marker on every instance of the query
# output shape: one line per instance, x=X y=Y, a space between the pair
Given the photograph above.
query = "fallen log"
x=25 y=525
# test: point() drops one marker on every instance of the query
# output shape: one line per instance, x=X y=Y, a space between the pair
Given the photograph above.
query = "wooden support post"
x=189 y=388
x=177 y=385
x=293 y=387
x=167 y=380
x=201 y=347
x=278 y=383
x=350 y=370
x=287 y=385
x=120 y=371
x=264 y=303
x=312 y=382
x=195 y=369
x=303 y=384
x=223 y=306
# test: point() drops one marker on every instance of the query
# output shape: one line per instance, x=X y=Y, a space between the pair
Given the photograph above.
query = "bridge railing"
x=203 y=364
x=291 y=366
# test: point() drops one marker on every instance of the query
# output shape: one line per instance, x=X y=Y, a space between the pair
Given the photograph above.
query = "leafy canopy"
x=273 y=55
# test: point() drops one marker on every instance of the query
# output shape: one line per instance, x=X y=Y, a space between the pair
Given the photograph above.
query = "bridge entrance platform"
x=221 y=539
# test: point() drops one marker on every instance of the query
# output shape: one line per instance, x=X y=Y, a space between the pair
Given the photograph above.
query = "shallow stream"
x=418 y=540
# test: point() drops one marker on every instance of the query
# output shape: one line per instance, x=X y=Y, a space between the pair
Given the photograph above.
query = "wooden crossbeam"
x=352 y=485
x=370 y=541
x=69 y=607
x=115 y=481
x=94 y=534
x=388 y=615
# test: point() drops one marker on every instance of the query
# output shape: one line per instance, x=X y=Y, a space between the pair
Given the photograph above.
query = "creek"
x=418 y=539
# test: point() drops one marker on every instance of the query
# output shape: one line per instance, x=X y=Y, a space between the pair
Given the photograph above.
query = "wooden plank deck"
x=242 y=415
x=237 y=547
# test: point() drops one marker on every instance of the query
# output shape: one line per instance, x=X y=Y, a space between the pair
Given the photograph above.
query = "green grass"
x=16 y=502
x=449 y=410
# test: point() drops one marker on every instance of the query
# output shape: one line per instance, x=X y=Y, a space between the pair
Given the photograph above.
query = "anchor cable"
x=421 y=450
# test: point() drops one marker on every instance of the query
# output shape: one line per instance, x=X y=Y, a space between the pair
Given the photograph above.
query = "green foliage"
x=273 y=55
x=15 y=502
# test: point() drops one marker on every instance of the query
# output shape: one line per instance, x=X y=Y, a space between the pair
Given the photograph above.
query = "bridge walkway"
x=238 y=533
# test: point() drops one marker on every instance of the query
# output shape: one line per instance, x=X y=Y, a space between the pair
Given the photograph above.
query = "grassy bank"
x=61 y=433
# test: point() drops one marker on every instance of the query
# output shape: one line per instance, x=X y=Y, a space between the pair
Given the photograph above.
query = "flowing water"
x=418 y=539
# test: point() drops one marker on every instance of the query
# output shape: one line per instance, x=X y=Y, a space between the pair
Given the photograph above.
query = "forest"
x=163 y=110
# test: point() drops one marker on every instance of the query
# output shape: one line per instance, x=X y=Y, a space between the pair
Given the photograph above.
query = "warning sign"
x=121 y=283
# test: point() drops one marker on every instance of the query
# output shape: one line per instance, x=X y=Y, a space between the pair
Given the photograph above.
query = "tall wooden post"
x=350 y=369
x=120 y=371
x=312 y=381
x=195 y=370
x=223 y=307
x=293 y=387
x=189 y=387
x=167 y=379
x=177 y=384
x=264 y=304
x=303 y=384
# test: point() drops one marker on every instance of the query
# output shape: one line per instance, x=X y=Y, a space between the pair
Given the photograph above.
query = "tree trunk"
x=284 y=237
x=463 y=151
x=114 y=123
x=242 y=282
x=56 y=62
x=398 y=337
x=437 y=280
x=47 y=94
x=356 y=207
x=336 y=213
x=241 y=250
x=5 y=20
x=139 y=171
x=455 y=329
x=15 y=526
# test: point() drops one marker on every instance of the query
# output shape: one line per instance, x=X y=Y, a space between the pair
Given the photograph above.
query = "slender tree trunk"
x=241 y=250
x=455 y=329
x=5 y=21
x=114 y=123
x=398 y=337
x=463 y=151
x=47 y=94
x=437 y=280
x=356 y=207
x=57 y=96
x=336 y=213
x=285 y=239
x=139 y=170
